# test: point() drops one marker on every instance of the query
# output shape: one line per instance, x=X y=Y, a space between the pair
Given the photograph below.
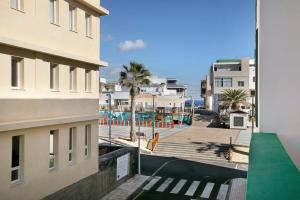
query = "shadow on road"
x=207 y=118
x=218 y=149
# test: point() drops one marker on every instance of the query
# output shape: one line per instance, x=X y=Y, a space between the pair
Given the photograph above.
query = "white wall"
x=38 y=180
x=279 y=70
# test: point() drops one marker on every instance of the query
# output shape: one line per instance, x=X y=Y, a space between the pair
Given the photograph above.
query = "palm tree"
x=234 y=97
x=133 y=77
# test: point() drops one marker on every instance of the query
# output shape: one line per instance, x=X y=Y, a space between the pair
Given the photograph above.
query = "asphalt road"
x=175 y=178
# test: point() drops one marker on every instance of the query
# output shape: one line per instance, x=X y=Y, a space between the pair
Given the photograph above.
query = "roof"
x=227 y=60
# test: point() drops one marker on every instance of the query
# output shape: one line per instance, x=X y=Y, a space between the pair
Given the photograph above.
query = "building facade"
x=168 y=93
x=278 y=53
x=227 y=74
x=49 y=59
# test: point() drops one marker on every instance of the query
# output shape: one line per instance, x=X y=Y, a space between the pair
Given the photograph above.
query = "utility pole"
x=192 y=109
x=109 y=118
x=139 y=149
x=153 y=118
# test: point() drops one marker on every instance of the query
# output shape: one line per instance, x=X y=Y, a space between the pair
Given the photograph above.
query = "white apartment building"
x=278 y=55
x=168 y=93
x=49 y=58
x=227 y=74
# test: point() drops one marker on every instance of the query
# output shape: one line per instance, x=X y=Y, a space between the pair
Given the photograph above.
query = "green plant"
x=233 y=98
x=133 y=77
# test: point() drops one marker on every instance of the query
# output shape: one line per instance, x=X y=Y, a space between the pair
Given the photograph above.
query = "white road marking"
x=152 y=182
x=192 y=189
x=222 y=192
x=178 y=186
x=165 y=184
x=207 y=190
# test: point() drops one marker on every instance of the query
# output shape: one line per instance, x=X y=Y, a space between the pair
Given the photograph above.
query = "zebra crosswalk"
x=160 y=184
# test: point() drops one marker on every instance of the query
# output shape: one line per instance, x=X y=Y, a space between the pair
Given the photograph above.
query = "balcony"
x=271 y=174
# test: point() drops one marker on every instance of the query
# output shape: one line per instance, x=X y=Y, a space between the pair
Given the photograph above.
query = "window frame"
x=17 y=5
x=87 y=140
x=19 y=72
x=73 y=79
x=54 y=12
x=241 y=85
x=88 y=80
x=53 y=156
x=71 y=146
x=88 y=25
x=54 y=77
x=18 y=168
x=72 y=18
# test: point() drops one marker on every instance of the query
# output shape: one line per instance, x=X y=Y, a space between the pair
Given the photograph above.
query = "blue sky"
x=176 y=38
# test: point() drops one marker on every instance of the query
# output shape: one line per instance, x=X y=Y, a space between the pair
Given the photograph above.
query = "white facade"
x=49 y=95
x=252 y=76
x=278 y=64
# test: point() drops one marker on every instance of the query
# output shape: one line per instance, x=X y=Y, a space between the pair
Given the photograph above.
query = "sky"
x=176 y=38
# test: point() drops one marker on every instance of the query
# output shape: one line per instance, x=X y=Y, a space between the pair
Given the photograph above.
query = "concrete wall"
x=32 y=25
x=236 y=76
x=38 y=180
x=97 y=185
x=37 y=76
x=278 y=64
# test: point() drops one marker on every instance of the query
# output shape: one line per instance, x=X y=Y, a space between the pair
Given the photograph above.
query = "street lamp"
x=192 y=108
x=109 y=117
x=153 y=117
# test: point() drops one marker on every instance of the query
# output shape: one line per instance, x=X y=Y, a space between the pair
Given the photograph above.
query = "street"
x=180 y=179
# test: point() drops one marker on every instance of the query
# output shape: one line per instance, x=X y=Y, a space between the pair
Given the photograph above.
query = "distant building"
x=49 y=58
x=168 y=93
x=227 y=74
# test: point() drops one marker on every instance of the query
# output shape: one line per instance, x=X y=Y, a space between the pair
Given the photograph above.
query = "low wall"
x=101 y=183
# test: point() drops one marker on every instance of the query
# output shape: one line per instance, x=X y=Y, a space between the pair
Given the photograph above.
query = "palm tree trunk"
x=132 y=125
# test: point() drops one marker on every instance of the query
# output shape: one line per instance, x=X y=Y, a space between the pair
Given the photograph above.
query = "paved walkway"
x=125 y=190
x=202 y=134
x=244 y=138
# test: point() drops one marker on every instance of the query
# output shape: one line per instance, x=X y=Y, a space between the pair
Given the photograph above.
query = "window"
x=88 y=80
x=73 y=78
x=254 y=79
x=87 y=140
x=16 y=156
x=53 y=148
x=223 y=82
x=16 y=4
x=88 y=25
x=227 y=82
x=54 y=76
x=241 y=84
x=72 y=18
x=219 y=82
x=17 y=72
x=54 y=11
x=71 y=144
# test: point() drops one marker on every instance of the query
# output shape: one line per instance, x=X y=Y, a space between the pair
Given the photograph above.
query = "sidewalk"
x=241 y=147
x=125 y=190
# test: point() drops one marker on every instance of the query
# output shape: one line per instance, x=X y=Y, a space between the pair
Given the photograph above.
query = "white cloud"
x=130 y=45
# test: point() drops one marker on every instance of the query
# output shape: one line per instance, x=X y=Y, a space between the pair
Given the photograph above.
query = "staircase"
x=211 y=153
